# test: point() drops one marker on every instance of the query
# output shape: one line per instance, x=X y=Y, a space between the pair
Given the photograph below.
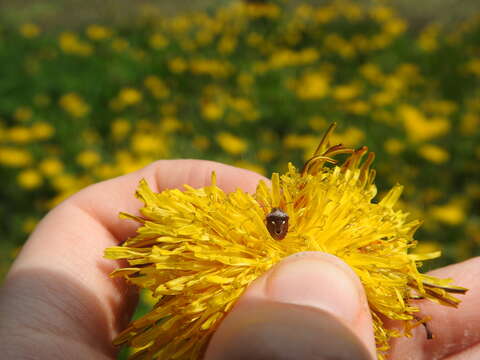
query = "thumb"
x=309 y=306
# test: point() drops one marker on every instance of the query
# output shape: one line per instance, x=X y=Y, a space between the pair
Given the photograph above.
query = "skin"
x=58 y=302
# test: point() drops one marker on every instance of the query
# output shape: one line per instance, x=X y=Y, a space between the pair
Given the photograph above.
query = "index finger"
x=61 y=275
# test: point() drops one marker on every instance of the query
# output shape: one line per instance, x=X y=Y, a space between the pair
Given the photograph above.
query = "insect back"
x=277 y=223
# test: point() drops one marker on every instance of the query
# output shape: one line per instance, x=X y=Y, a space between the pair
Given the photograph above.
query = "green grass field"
x=253 y=86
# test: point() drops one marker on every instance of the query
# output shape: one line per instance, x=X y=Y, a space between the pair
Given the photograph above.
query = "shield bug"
x=277 y=223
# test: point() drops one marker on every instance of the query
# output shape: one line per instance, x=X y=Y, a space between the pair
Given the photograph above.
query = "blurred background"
x=90 y=90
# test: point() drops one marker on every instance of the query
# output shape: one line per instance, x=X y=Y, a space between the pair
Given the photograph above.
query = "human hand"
x=58 y=302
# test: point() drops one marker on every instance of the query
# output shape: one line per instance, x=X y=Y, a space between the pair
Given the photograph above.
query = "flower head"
x=199 y=249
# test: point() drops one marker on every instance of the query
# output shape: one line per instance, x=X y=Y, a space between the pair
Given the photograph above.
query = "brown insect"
x=277 y=223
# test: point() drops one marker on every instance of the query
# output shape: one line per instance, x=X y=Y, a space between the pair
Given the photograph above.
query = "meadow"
x=252 y=85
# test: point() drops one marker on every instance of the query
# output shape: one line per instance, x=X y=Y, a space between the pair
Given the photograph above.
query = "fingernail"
x=317 y=280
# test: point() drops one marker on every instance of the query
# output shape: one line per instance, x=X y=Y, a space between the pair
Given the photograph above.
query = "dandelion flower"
x=199 y=249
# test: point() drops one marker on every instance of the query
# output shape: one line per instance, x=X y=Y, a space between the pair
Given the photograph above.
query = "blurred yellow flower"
x=14 y=157
x=23 y=113
x=119 y=128
x=120 y=44
x=452 y=213
x=372 y=73
x=339 y=45
x=317 y=123
x=288 y=57
x=180 y=23
x=51 y=166
x=158 y=41
x=394 y=26
x=29 y=179
x=383 y=98
x=227 y=44
x=232 y=144
x=428 y=39
x=157 y=87
x=314 y=85
x=296 y=141
x=64 y=182
x=42 y=130
x=245 y=80
x=74 y=105
x=352 y=11
x=204 y=37
x=473 y=66
x=29 y=30
x=170 y=124
x=255 y=39
x=358 y=107
x=434 y=153
x=88 y=158
x=394 y=146
x=149 y=143
x=261 y=9
x=418 y=127
x=71 y=44
x=19 y=134
x=346 y=92
x=177 y=65
x=470 y=123
x=98 y=32
x=382 y=13
x=130 y=96
x=212 y=67
x=325 y=14
x=352 y=136
x=211 y=110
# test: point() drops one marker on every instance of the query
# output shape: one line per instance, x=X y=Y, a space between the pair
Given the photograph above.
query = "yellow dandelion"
x=29 y=179
x=71 y=44
x=42 y=130
x=29 y=30
x=14 y=157
x=98 y=32
x=232 y=144
x=394 y=146
x=88 y=158
x=313 y=86
x=19 y=134
x=158 y=41
x=211 y=110
x=129 y=96
x=452 y=213
x=434 y=153
x=51 y=166
x=74 y=105
x=120 y=128
x=198 y=250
